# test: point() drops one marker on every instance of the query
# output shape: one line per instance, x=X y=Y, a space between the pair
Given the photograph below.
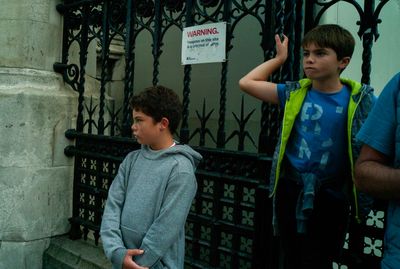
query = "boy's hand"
x=128 y=262
x=281 y=48
x=256 y=81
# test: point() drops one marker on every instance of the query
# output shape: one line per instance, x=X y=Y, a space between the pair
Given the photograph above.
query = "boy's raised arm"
x=255 y=82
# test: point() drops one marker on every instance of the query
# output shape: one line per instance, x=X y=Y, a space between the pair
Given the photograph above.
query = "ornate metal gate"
x=229 y=224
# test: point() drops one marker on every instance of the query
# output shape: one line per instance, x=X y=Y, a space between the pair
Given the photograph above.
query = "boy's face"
x=145 y=129
x=322 y=63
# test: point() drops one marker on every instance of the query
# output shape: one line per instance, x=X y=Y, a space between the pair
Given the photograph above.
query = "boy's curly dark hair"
x=331 y=36
x=158 y=102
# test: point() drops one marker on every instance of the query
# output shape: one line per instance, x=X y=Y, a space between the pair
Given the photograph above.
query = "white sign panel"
x=204 y=43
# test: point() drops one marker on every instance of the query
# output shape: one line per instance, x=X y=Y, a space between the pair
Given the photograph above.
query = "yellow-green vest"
x=360 y=94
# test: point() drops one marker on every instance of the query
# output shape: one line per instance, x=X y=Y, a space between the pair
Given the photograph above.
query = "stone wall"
x=36 y=108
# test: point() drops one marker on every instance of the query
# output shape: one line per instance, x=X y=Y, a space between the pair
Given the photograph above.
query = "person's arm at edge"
x=373 y=174
x=255 y=82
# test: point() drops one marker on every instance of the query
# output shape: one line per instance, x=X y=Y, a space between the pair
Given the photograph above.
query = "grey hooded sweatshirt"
x=147 y=206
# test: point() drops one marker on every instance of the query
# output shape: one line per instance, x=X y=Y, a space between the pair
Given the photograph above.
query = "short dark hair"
x=331 y=36
x=158 y=102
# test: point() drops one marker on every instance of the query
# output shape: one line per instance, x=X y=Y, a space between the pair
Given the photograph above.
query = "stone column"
x=35 y=109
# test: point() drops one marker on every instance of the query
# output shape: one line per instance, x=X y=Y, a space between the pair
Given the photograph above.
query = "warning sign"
x=204 y=43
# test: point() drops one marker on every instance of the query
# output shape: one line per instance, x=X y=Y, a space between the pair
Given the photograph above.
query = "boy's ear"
x=344 y=62
x=164 y=123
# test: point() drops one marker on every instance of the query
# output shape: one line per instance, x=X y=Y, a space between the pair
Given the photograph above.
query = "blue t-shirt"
x=379 y=130
x=318 y=141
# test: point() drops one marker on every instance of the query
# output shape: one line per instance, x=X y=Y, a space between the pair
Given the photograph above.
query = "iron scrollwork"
x=234 y=174
x=209 y=3
x=70 y=73
x=145 y=8
x=173 y=5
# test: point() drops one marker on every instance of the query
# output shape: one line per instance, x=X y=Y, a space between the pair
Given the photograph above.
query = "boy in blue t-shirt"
x=313 y=162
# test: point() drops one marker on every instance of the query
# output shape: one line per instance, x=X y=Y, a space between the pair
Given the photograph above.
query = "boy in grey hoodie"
x=150 y=198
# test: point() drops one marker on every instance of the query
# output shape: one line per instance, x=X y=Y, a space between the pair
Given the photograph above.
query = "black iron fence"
x=229 y=225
